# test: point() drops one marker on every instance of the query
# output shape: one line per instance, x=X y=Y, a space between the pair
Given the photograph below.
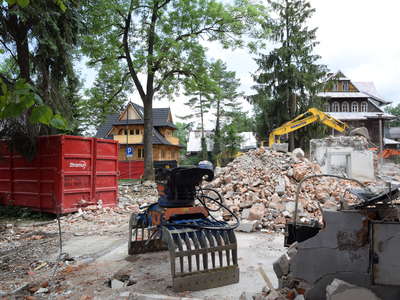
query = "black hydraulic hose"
x=219 y=202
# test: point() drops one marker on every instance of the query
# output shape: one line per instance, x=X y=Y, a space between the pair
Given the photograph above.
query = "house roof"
x=343 y=95
x=393 y=132
x=160 y=119
x=369 y=88
x=365 y=89
x=387 y=141
x=350 y=116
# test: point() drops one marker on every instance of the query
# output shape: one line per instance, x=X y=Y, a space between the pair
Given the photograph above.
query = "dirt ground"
x=95 y=252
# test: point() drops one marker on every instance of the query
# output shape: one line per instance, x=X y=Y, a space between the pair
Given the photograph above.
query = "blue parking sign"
x=129 y=151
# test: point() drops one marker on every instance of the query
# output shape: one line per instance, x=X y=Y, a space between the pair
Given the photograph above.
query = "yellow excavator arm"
x=310 y=116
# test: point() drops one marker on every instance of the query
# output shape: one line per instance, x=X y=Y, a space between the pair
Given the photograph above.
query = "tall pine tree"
x=224 y=98
x=289 y=77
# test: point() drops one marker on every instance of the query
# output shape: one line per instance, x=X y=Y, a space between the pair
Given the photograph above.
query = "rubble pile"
x=261 y=185
x=133 y=194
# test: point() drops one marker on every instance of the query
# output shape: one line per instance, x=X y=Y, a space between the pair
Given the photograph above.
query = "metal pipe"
x=314 y=176
x=380 y=141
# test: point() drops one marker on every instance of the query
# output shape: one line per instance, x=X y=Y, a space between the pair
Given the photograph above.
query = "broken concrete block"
x=281 y=186
x=245 y=213
x=42 y=290
x=281 y=147
x=281 y=266
x=116 y=284
x=341 y=290
x=256 y=212
x=298 y=154
x=360 y=131
x=247 y=226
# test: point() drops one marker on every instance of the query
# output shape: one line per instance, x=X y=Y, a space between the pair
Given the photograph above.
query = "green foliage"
x=182 y=133
x=107 y=95
x=288 y=77
x=37 y=41
x=224 y=98
x=22 y=97
x=161 y=40
x=394 y=110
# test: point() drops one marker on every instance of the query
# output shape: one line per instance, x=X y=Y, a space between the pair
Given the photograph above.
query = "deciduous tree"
x=159 y=43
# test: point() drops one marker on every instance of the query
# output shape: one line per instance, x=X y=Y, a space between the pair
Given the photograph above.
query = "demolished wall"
x=350 y=247
x=344 y=155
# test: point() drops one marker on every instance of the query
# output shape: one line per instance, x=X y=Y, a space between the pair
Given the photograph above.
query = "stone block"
x=341 y=290
x=247 y=226
x=281 y=147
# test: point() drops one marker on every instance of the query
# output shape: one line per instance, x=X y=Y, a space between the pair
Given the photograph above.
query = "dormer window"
x=335 y=107
x=345 y=86
x=354 y=106
x=345 y=106
x=364 y=106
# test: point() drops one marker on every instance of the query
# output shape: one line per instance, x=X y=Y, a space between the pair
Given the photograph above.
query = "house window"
x=162 y=154
x=140 y=153
x=364 y=106
x=131 y=132
x=137 y=131
x=345 y=86
x=335 y=107
x=354 y=106
x=126 y=132
x=335 y=87
x=121 y=132
x=345 y=106
x=327 y=107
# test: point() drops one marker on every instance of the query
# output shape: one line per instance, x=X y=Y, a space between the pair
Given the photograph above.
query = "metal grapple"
x=203 y=250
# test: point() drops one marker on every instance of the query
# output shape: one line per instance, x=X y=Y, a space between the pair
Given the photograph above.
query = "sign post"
x=129 y=153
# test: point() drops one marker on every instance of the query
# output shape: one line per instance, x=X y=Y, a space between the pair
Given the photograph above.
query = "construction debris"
x=260 y=185
x=341 y=290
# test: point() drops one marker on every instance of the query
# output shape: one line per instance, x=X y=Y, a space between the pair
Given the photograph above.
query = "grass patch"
x=11 y=213
x=129 y=180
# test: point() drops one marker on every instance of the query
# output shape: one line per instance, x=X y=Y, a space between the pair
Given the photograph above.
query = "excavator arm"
x=310 y=116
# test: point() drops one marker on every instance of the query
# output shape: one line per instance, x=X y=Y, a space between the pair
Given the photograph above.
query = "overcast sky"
x=359 y=37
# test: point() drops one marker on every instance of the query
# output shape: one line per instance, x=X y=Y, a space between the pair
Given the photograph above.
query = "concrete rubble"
x=341 y=290
x=260 y=186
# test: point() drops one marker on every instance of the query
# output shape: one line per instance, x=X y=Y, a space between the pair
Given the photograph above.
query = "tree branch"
x=129 y=61
x=9 y=50
x=169 y=74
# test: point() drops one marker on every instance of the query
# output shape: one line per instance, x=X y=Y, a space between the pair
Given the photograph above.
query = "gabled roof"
x=369 y=88
x=160 y=119
x=365 y=90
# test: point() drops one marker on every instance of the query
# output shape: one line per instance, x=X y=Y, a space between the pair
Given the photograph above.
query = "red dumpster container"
x=68 y=172
x=131 y=169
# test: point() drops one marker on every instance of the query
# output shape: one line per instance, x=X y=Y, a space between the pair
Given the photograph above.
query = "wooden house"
x=356 y=103
x=127 y=127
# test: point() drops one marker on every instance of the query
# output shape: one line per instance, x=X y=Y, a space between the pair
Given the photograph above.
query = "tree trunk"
x=292 y=112
x=217 y=139
x=147 y=139
x=204 y=155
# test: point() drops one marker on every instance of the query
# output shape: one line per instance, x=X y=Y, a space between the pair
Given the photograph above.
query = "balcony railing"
x=132 y=139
